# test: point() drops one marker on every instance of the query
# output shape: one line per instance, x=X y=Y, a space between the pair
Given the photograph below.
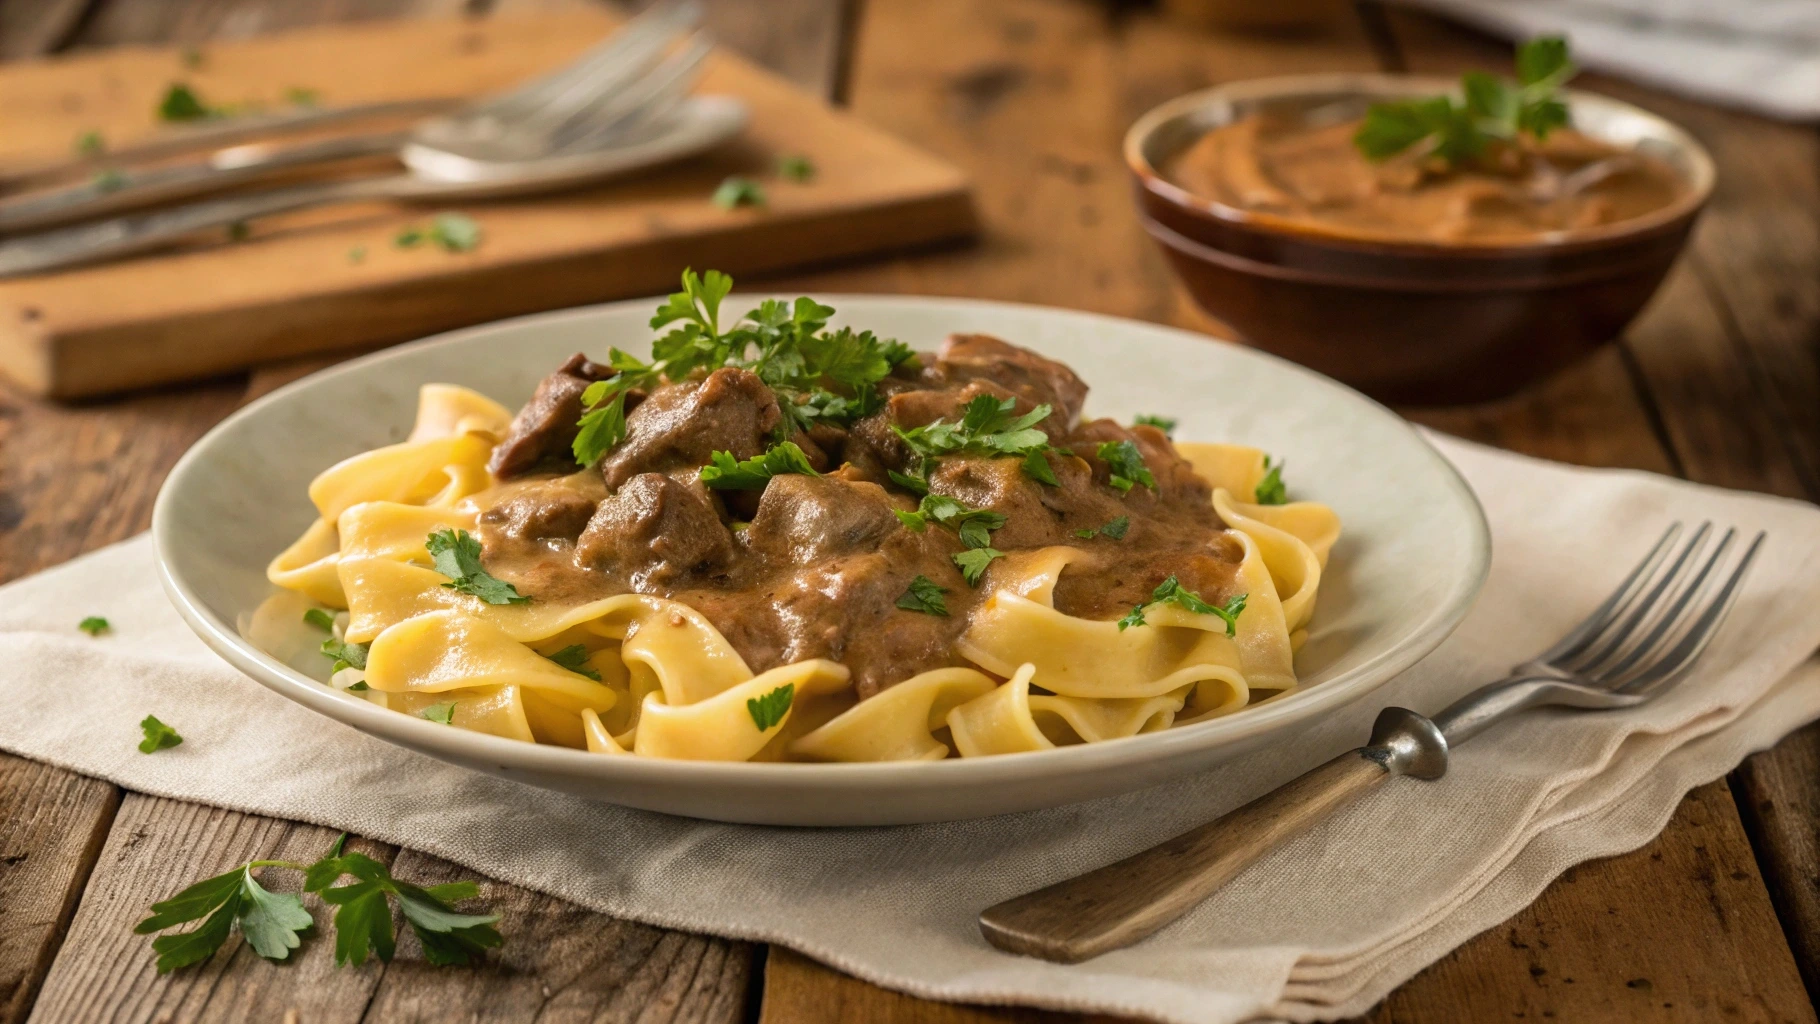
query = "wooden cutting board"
x=332 y=279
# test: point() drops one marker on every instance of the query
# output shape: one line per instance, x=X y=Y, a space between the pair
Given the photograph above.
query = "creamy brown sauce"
x=813 y=567
x=1313 y=173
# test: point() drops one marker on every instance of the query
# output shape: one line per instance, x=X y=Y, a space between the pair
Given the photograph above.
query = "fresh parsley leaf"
x=575 y=658
x=1171 y=591
x=158 y=736
x=1270 y=490
x=299 y=96
x=1036 y=467
x=457 y=556
x=319 y=618
x=192 y=903
x=448 y=938
x=345 y=655
x=736 y=192
x=94 y=625
x=90 y=144
x=972 y=524
x=109 y=179
x=1127 y=465
x=986 y=427
x=454 y=232
x=180 y=103
x=795 y=168
x=1115 y=529
x=914 y=484
x=198 y=944
x=408 y=237
x=1162 y=423
x=724 y=473
x=769 y=710
x=973 y=563
x=602 y=427
x=924 y=596
x=270 y=921
x=358 y=687
x=443 y=712
x=1492 y=110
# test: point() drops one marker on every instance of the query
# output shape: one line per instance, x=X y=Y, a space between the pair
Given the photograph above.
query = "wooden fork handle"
x=1112 y=907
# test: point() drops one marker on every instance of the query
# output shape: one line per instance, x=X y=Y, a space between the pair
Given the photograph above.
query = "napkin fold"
x=1322 y=928
x=1760 y=54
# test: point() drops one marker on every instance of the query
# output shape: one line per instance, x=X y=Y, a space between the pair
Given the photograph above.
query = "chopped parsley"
x=973 y=563
x=818 y=375
x=987 y=427
x=736 y=191
x=1494 y=111
x=575 y=658
x=408 y=237
x=346 y=655
x=299 y=96
x=972 y=524
x=319 y=618
x=1171 y=591
x=94 y=625
x=1036 y=467
x=1162 y=423
x=1116 y=529
x=158 y=736
x=276 y=923
x=1127 y=465
x=795 y=168
x=723 y=473
x=457 y=556
x=180 y=103
x=450 y=232
x=443 y=712
x=108 y=180
x=1270 y=490
x=90 y=143
x=769 y=710
x=924 y=596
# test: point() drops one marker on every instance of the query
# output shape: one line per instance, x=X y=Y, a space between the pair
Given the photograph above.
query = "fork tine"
x=626 y=50
x=1590 y=628
x=1666 y=668
x=639 y=100
x=1663 y=624
x=1643 y=612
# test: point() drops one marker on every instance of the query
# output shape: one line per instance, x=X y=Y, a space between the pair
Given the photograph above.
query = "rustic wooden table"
x=1717 y=919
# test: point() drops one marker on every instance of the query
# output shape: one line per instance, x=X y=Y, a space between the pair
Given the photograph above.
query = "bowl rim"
x=1700 y=181
x=465 y=747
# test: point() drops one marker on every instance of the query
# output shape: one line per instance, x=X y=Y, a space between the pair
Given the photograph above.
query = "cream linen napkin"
x=1322 y=928
x=1760 y=54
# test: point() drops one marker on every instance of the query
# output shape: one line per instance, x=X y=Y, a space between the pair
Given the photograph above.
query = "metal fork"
x=629 y=80
x=1632 y=648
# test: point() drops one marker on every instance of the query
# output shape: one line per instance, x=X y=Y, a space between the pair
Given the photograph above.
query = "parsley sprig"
x=1166 y=424
x=1270 y=490
x=769 y=710
x=924 y=595
x=274 y=922
x=725 y=473
x=1171 y=591
x=974 y=525
x=457 y=556
x=818 y=375
x=1127 y=465
x=1492 y=110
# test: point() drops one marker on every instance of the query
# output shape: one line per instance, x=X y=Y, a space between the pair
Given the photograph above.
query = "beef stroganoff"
x=781 y=541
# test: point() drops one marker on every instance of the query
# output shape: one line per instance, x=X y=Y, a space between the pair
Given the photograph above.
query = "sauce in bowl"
x=1307 y=170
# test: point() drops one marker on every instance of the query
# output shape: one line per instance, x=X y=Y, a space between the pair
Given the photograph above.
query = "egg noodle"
x=669 y=685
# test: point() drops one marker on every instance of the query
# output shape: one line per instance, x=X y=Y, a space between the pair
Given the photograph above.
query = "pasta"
x=656 y=612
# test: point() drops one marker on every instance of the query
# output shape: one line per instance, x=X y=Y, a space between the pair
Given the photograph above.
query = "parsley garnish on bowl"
x=1490 y=112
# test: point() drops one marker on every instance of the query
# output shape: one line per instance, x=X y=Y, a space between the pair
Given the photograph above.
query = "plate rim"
x=465 y=747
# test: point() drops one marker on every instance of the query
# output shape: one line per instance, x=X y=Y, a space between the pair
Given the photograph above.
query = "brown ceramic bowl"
x=1415 y=322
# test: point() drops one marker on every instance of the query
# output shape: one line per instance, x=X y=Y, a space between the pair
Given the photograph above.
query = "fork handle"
x=1114 y=906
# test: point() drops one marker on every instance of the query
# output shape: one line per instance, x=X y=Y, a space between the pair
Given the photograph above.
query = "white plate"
x=1412 y=558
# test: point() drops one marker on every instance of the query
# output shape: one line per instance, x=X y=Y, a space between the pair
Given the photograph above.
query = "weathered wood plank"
x=51 y=831
x=800 y=991
x=156 y=847
x=29 y=28
x=562 y=963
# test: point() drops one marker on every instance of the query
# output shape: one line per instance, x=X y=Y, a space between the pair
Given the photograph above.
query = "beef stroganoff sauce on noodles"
x=775 y=556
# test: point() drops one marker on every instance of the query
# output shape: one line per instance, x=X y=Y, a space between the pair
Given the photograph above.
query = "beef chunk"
x=654 y=530
x=965 y=357
x=544 y=429
x=543 y=510
x=1035 y=514
x=681 y=425
x=803 y=519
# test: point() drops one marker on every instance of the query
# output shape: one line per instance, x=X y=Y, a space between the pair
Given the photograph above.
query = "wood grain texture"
x=800 y=991
x=292 y=287
x=1127 y=901
x=52 y=825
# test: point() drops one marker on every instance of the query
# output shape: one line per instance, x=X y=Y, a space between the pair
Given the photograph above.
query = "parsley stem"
x=293 y=865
